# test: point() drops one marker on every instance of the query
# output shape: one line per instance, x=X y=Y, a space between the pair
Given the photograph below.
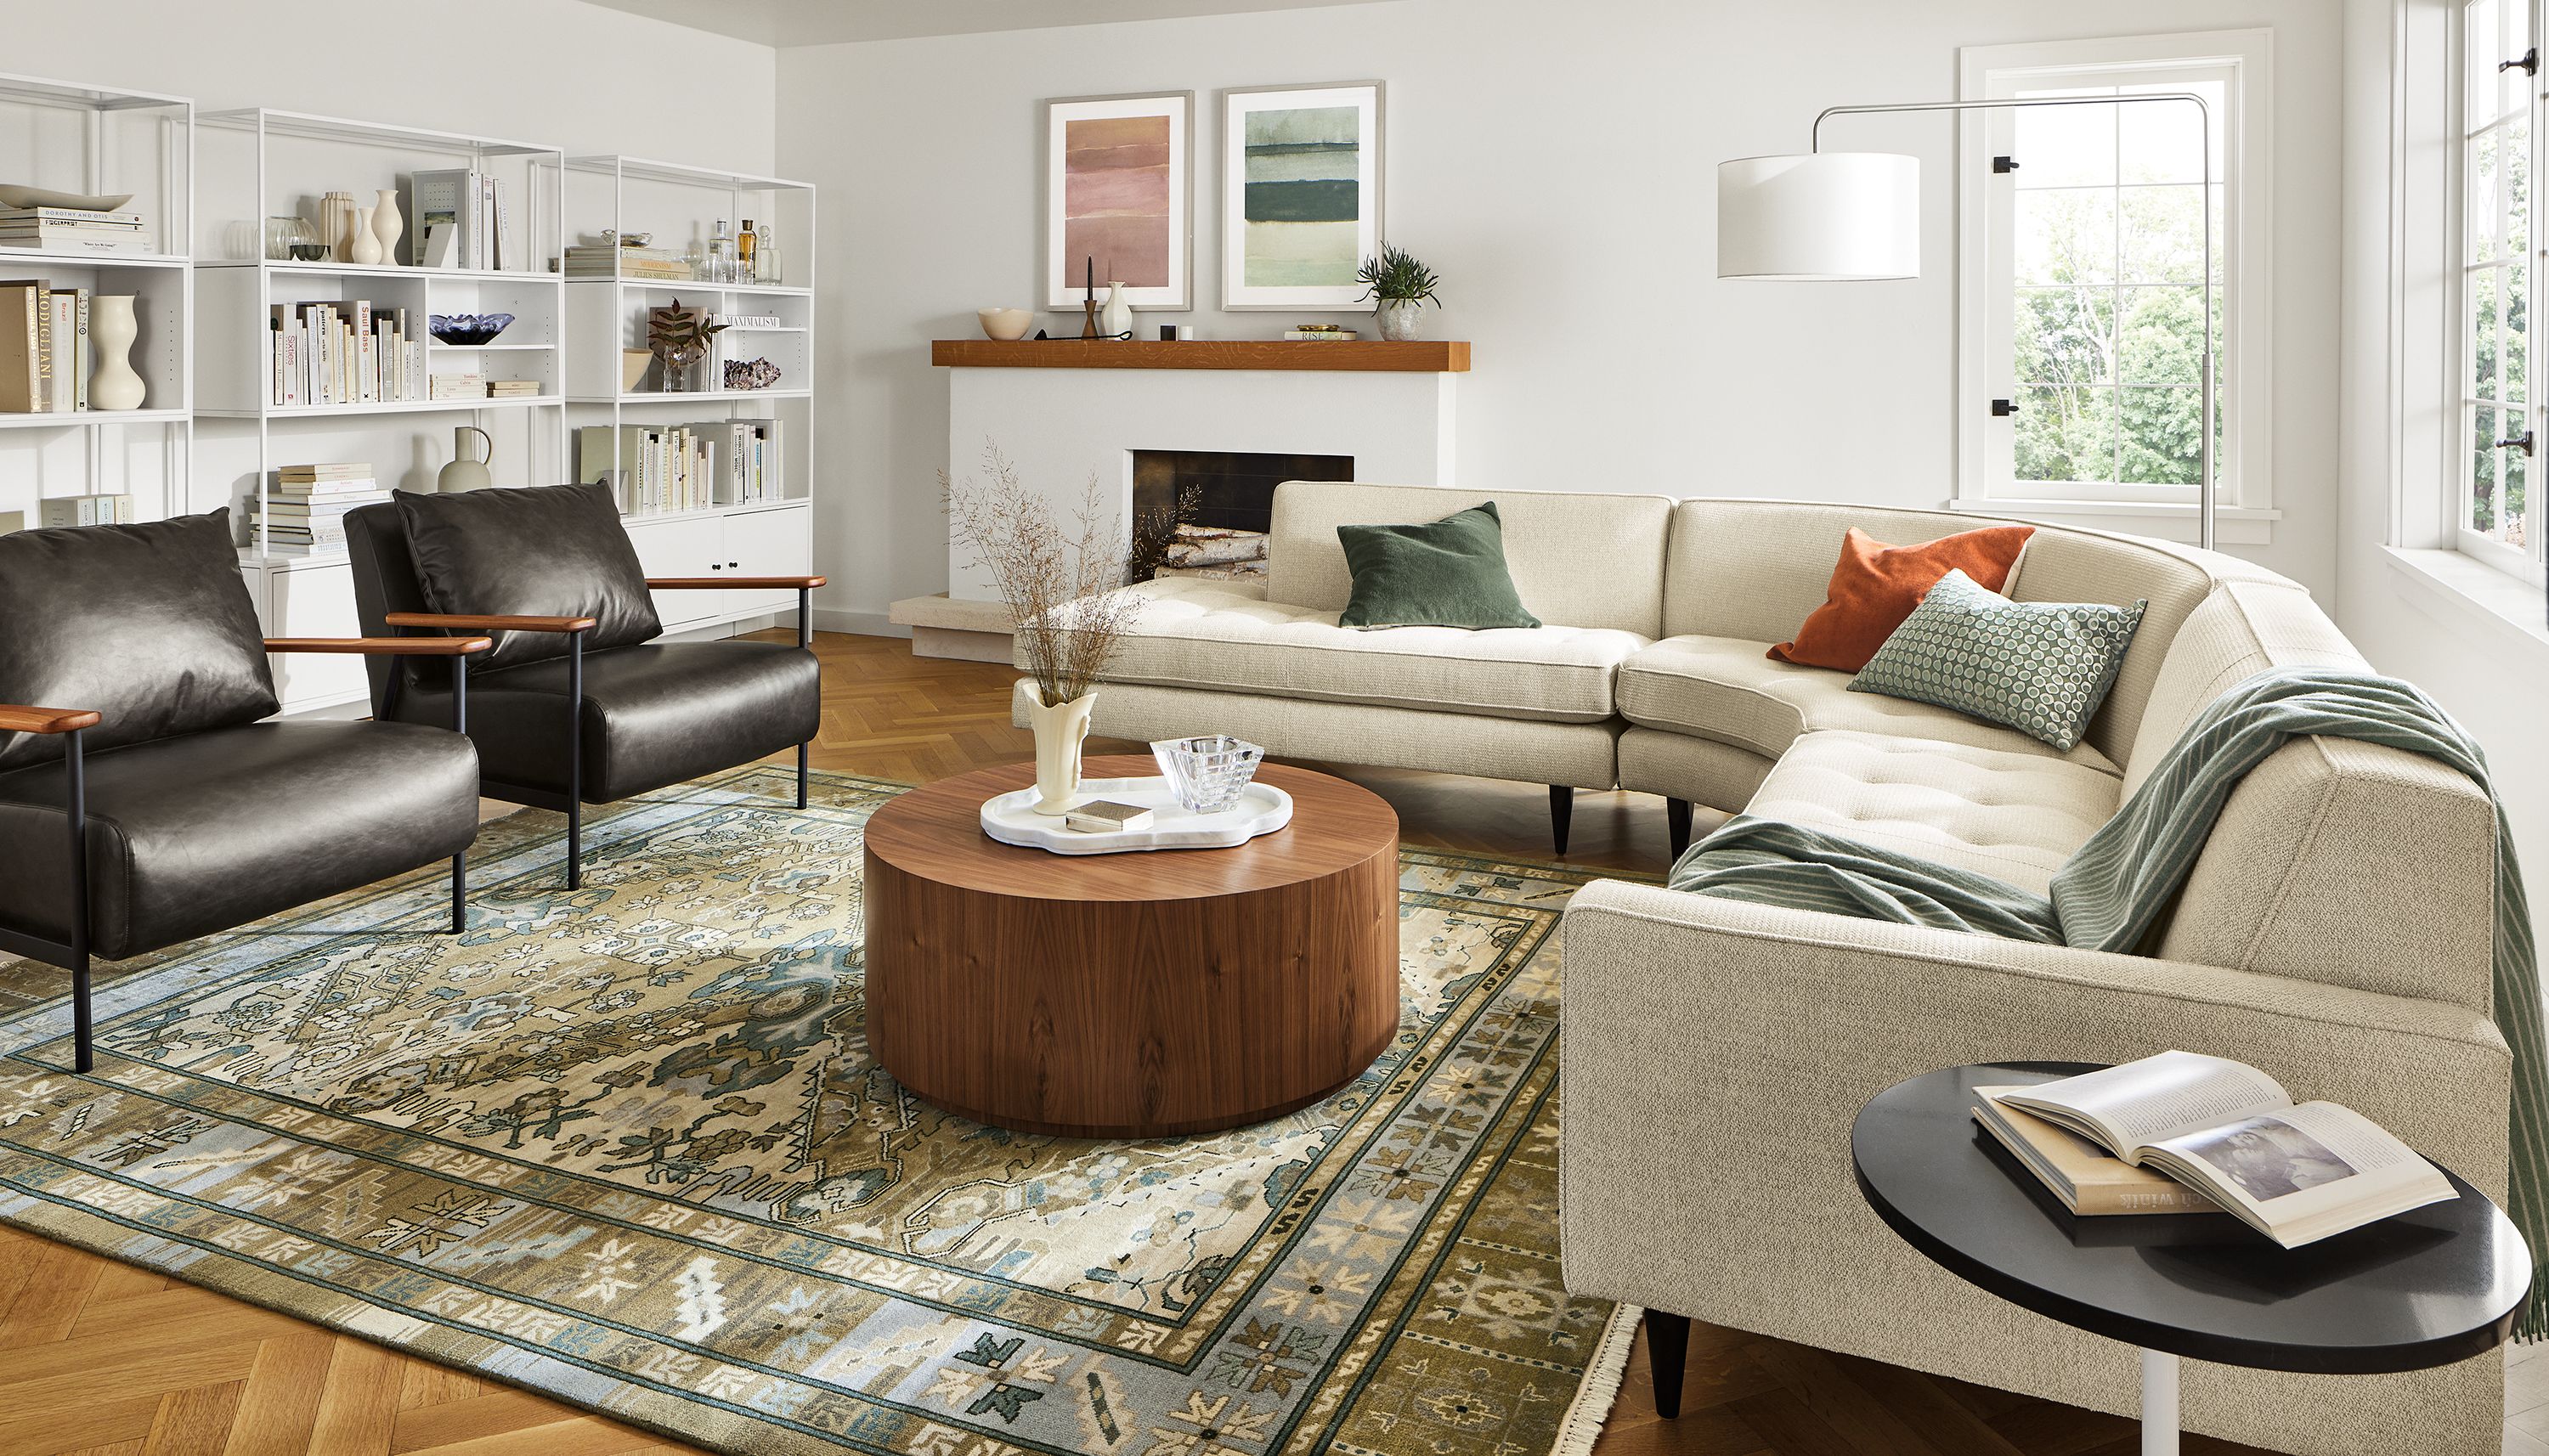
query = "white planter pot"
x=113 y=385
x=1397 y=319
x=1060 y=730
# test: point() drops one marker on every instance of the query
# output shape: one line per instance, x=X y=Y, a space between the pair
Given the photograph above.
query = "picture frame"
x=1119 y=196
x=1301 y=188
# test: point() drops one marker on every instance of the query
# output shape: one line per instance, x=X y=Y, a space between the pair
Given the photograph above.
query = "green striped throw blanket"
x=2110 y=893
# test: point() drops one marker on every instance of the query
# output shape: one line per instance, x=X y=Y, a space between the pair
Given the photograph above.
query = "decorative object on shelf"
x=1063 y=587
x=1115 y=320
x=1004 y=323
x=387 y=224
x=361 y=247
x=721 y=260
x=467 y=330
x=1336 y=332
x=747 y=260
x=750 y=374
x=111 y=330
x=309 y=253
x=16 y=196
x=1207 y=774
x=632 y=368
x=336 y=225
x=1156 y=820
x=1089 y=301
x=1300 y=193
x=679 y=337
x=765 y=259
x=1118 y=180
x=465 y=473
x=1399 y=286
x=284 y=234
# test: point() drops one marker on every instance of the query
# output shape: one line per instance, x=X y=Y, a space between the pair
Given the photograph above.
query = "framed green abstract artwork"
x=1118 y=179
x=1300 y=194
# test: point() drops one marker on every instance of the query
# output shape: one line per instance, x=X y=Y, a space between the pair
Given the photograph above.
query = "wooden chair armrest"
x=696 y=583
x=384 y=645
x=17 y=719
x=489 y=624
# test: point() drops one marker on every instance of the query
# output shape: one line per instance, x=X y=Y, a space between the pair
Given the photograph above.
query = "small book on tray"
x=1106 y=816
x=2296 y=1173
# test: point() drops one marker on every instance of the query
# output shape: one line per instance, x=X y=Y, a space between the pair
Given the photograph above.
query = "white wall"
x=1556 y=164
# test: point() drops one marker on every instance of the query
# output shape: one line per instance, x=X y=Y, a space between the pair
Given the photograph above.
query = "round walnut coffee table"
x=1135 y=995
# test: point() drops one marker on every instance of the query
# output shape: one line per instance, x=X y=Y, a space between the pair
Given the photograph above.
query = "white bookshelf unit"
x=680 y=207
x=72 y=137
x=258 y=164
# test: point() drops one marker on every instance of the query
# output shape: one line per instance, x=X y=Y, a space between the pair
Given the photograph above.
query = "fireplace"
x=1206 y=512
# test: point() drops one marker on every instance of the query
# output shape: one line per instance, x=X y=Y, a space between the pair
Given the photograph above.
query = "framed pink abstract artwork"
x=1118 y=184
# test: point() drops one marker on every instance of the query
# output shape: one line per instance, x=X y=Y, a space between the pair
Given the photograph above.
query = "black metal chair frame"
x=73 y=955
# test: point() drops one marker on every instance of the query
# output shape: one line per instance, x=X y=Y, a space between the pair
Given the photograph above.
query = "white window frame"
x=2244 y=369
x=2524 y=563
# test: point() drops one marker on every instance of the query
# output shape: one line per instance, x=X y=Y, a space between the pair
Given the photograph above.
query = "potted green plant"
x=1401 y=285
x=679 y=337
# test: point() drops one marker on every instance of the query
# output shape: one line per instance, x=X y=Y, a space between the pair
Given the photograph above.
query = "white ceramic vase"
x=1060 y=730
x=336 y=225
x=113 y=385
x=1398 y=317
x=360 y=245
x=387 y=224
x=1115 y=320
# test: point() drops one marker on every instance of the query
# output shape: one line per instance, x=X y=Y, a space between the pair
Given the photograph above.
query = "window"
x=2498 y=424
x=2083 y=282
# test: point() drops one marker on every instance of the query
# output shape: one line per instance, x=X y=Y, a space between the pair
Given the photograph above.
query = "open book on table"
x=2296 y=1173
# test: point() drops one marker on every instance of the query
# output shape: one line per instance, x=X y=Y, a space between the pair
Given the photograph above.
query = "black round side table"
x=2426 y=1288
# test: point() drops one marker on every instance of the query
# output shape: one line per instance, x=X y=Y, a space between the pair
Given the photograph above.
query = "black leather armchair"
x=578 y=703
x=154 y=806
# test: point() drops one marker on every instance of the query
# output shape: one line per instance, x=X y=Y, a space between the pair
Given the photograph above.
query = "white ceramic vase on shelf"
x=336 y=225
x=1115 y=320
x=113 y=385
x=1060 y=730
x=387 y=224
x=361 y=245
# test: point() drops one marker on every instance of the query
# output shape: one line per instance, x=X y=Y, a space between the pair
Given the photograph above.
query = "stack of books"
x=342 y=352
x=1319 y=330
x=459 y=387
x=656 y=469
x=45 y=361
x=513 y=389
x=111 y=509
x=602 y=260
x=464 y=219
x=305 y=513
x=73 y=230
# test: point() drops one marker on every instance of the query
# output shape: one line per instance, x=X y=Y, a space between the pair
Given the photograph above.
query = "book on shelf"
x=107 y=510
x=74 y=237
x=653 y=469
x=1320 y=331
x=513 y=389
x=459 y=387
x=749 y=453
x=44 y=358
x=326 y=470
x=2297 y=1173
x=342 y=352
x=463 y=218
x=61 y=217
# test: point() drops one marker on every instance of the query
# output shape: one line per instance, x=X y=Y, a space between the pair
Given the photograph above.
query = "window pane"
x=2482 y=493
x=2481 y=304
x=2162 y=339
x=2065 y=145
x=2515 y=184
x=2066 y=235
x=2513 y=353
x=2163 y=234
x=2163 y=436
x=2484 y=49
x=2065 y=335
x=2162 y=140
x=2066 y=434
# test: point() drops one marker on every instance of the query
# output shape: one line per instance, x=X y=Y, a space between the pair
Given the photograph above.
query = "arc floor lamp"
x=1833 y=216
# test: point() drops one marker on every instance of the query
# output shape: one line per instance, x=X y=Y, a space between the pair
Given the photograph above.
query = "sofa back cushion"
x=1579 y=559
x=2084 y=566
x=149 y=625
x=537 y=551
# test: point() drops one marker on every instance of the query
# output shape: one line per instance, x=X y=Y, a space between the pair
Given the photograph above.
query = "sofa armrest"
x=475 y=623
x=18 y=718
x=713 y=583
x=383 y=646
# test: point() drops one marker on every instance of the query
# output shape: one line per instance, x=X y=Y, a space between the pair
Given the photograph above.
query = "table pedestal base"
x=2159 y=1403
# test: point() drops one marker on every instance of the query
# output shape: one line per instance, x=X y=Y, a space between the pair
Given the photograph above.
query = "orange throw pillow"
x=1875 y=587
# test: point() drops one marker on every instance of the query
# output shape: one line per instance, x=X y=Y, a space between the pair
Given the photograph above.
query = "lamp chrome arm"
x=2204 y=486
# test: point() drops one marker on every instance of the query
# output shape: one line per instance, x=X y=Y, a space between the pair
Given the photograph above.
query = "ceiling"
x=824 y=21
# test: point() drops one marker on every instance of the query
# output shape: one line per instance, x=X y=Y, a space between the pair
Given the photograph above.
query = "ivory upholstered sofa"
x=2336 y=929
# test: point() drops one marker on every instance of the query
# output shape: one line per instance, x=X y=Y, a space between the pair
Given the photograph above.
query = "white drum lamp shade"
x=1819 y=217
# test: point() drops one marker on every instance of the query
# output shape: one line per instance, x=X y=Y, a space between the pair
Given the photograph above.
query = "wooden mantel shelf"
x=1361 y=355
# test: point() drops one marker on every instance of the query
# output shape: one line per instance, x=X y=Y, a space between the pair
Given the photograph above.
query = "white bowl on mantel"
x=1005 y=323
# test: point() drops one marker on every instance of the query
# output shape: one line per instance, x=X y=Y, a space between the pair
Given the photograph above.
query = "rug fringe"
x=1601 y=1386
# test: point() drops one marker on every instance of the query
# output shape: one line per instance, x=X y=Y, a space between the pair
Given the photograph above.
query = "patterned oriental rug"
x=624 y=1146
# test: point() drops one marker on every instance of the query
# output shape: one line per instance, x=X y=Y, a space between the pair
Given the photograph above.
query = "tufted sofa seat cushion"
x=1198 y=633
x=1724 y=688
x=2014 y=816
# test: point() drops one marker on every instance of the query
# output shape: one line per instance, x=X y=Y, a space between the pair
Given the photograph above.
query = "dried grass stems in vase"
x=1064 y=583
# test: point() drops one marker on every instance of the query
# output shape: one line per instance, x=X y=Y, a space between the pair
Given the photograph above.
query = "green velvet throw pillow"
x=2039 y=667
x=1448 y=573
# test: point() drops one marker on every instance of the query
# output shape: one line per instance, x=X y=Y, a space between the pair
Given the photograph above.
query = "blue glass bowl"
x=467 y=330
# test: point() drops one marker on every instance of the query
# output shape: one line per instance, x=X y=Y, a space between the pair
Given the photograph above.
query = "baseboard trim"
x=859 y=623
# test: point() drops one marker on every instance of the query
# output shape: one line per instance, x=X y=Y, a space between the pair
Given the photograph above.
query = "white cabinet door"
x=692 y=546
x=314 y=602
x=769 y=543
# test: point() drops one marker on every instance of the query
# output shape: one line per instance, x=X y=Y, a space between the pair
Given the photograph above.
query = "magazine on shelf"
x=2296 y=1172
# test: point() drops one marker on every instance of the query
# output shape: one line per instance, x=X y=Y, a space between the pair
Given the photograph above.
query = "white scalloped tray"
x=1263 y=808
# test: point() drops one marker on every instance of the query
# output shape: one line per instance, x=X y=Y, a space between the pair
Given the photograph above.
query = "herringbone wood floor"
x=99 y=1357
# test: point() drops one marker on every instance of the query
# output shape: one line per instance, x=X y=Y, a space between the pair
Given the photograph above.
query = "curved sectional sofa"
x=2336 y=929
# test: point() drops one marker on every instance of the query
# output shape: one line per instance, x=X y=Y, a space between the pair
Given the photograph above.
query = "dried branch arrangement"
x=1063 y=584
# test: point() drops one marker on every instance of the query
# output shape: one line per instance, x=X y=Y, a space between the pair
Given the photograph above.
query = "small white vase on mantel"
x=1060 y=731
x=1115 y=320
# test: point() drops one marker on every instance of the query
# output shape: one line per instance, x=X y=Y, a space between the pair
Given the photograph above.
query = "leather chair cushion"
x=201 y=833
x=551 y=551
x=149 y=625
x=655 y=714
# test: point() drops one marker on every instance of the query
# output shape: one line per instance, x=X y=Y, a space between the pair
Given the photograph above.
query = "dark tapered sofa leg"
x=1668 y=1351
x=1561 y=813
x=75 y=787
x=800 y=775
x=1678 y=821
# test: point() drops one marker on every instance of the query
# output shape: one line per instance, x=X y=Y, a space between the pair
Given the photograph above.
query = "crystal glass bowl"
x=467 y=329
x=1207 y=774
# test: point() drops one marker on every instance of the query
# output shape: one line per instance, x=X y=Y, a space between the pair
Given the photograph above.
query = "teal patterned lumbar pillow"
x=1447 y=573
x=2039 y=667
